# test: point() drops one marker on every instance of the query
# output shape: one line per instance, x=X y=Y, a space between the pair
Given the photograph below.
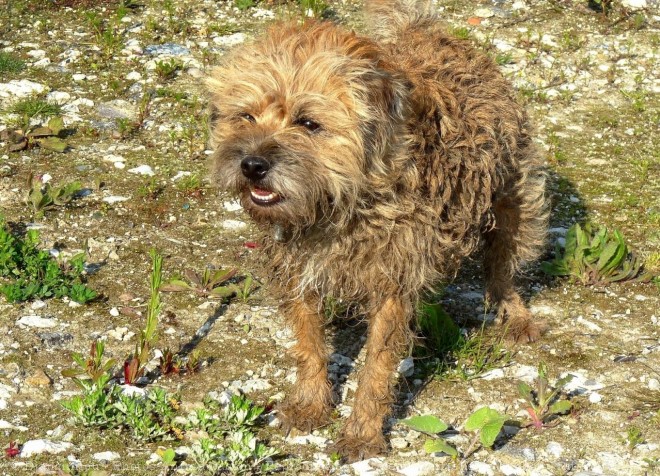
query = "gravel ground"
x=133 y=104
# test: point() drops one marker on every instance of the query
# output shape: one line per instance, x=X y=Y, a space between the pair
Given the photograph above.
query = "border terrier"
x=377 y=164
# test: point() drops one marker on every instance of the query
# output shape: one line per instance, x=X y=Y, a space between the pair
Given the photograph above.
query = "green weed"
x=503 y=58
x=461 y=32
x=595 y=257
x=47 y=137
x=243 y=4
x=167 y=68
x=33 y=107
x=33 y=273
x=10 y=63
x=544 y=402
x=213 y=283
x=44 y=196
x=314 y=8
x=634 y=437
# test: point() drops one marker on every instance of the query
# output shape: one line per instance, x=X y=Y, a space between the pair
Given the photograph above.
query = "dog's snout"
x=254 y=167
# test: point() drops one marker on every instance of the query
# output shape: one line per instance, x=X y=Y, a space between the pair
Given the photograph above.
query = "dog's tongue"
x=261 y=192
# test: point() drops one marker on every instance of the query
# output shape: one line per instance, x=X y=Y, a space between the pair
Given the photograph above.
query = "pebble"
x=653 y=384
x=106 y=456
x=407 y=367
x=368 y=467
x=555 y=449
x=233 y=224
x=481 y=468
x=529 y=454
x=116 y=109
x=38 y=379
x=142 y=170
x=20 y=88
x=169 y=49
x=115 y=199
x=509 y=470
x=133 y=76
x=399 y=443
x=595 y=397
x=37 y=321
x=229 y=40
x=232 y=206
x=420 y=468
x=35 y=447
x=317 y=441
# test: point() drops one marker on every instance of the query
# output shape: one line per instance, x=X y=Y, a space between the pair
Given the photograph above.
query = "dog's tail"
x=386 y=19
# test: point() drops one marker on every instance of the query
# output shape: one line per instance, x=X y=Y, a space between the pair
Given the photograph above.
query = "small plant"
x=92 y=368
x=595 y=257
x=544 y=403
x=486 y=424
x=134 y=366
x=170 y=363
x=244 y=289
x=47 y=137
x=431 y=426
x=167 y=69
x=461 y=32
x=313 y=8
x=503 y=58
x=34 y=273
x=210 y=283
x=43 y=196
x=12 y=450
x=244 y=4
x=634 y=437
x=10 y=64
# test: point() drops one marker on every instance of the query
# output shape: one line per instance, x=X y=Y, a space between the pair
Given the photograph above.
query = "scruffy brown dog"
x=377 y=165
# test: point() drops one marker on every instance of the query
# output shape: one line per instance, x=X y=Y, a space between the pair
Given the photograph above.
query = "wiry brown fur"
x=421 y=155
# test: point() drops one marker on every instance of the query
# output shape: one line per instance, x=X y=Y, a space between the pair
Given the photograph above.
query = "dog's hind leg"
x=518 y=236
x=309 y=404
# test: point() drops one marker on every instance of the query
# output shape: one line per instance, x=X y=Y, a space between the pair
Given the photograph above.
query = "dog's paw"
x=527 y=330
x=304 y=418
x=354 y=448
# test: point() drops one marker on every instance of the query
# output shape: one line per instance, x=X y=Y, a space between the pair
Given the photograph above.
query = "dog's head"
x=302 y=123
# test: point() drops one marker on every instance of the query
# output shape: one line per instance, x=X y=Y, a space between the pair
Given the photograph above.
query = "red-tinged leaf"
x=13 y=450
x=21 y=144
x=251 y=244
x=175 y=285
x=71 y=373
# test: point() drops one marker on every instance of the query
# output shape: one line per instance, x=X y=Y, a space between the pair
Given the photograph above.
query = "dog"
x=376 y=164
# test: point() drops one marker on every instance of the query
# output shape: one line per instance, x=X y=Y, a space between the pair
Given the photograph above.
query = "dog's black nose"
x=254 y=167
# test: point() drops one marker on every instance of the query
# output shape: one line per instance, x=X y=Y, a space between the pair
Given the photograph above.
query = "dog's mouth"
x=264 y=197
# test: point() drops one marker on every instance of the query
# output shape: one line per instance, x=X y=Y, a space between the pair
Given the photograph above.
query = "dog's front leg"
x=389 y=333
x=309 y=403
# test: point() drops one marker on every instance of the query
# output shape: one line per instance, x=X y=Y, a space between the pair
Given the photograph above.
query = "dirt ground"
x=137 y=137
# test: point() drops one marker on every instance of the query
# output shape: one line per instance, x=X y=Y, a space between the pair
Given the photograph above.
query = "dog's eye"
x=308 y=124
x=247 y=117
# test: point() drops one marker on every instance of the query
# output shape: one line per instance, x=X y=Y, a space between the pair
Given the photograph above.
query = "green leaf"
x=56 y=124
x=561 y=406
x=41 y=132
x=53 y=143
x=491 y=429
x=175 y=285
x=427 y=424
x=439 y=445
x=482 y=417
x=524 y=390
x=223 y=291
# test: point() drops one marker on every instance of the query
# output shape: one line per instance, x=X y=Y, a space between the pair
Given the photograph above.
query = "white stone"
x=133 y=391
x=481 y=468
x=368 y=467
x=595 y=397
x=79 y=77
x=36 y=54
x=58 y=97
x=115 y=199
x=114 y=312
x=35 y=447
x=554 y=448
x=484 y=12
x=133 y=76
x=142 y=170
x=180 y=175
x=399 y=443
x=421 y=468
x=233 y=224
x=38 y=304
x=229 y=40
x=106 y=456
x=21 y=88
x=407 y=367
x=635 y=4
x=114 y=158
x=653 y=384
x=232 y=206
x=318 y=441
x=37 y=321
x=493 y=374
x=509 y=470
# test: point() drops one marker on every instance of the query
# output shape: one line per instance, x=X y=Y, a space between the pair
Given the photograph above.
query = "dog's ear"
x=396 y=91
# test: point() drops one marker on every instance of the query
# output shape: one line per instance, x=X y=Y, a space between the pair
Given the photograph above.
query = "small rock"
x=421 y=468
x=407 y=367
x=493 y=374
x=595 y=397
x=653 y=384
x=233 y=224
x=79 y=77
x=554 y=448
x=21 y=88
x=106 y=456
x=318 y=441
x=368 y=467
x=528 y=454
x=399 y=443
x=115 y=199
x=35 y=447
x=634 y=4
x=37 y=321
x=229 y=40
x=481 y=468
x=509 y=470
x=484 y=12
x=38 y=379
x=133 y=76
x=116 y=109
x=170 y=49
x=142 y=170
x=232 y=206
